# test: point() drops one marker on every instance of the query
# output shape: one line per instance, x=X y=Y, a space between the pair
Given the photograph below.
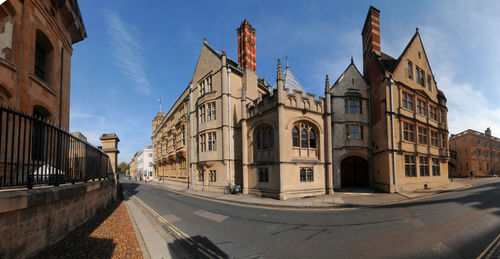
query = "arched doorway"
x=354 y=172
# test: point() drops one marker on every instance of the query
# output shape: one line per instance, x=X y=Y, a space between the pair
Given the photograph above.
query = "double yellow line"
x=178 y=233
x=488 y=252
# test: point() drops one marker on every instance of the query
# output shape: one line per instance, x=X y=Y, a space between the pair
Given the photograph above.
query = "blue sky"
x=135 y=54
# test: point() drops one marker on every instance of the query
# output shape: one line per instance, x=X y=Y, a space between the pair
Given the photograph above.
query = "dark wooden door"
x=354 y=172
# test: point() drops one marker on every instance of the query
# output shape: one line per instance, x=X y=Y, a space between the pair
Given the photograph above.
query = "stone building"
x=350 y=96
x=133 y=167
x=476 y=152
x=145 y=163
x=231 y=127
x=408 y=115
x=191 y=142
x=36 y=39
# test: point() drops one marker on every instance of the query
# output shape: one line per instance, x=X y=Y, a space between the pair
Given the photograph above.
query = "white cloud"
x=127 y=51
x=468 y=105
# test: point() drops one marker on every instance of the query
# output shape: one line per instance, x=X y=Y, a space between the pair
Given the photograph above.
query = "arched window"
x=270 y=135
x=295 y=136
x=259 y=140
x=264 y=138
x=312 y=139
x=307 y=137
x=303 y=138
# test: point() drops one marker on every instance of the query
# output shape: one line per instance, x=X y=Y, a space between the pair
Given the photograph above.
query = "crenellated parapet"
x=262 y=104
x=294 y=99
x=304 y=101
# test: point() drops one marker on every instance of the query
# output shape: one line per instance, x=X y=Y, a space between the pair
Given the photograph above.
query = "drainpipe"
x=391 y=82
x=229 y=121
x=61 y=88
x=191 y=136
x=370 y=137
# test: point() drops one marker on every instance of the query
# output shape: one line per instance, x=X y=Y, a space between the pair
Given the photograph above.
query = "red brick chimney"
x=246 y=46
x=371 y=32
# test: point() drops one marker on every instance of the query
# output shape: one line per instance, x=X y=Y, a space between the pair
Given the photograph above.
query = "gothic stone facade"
x=231 y=127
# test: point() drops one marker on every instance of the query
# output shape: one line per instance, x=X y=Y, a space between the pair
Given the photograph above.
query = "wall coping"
x=22 y=199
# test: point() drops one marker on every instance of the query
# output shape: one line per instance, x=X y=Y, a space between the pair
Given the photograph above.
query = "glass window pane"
x=303 y=138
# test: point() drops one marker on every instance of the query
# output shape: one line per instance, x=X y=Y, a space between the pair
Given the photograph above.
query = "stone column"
x=110 y=147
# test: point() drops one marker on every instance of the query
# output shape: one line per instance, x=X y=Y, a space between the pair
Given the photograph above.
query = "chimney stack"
x=371 y=32
x=246 y=46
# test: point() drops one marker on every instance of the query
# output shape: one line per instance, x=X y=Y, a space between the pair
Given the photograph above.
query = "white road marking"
x=171 y=218
x=212 y=216
x=493 y=244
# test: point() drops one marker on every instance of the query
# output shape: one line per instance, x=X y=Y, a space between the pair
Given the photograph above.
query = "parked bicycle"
x=232 y=189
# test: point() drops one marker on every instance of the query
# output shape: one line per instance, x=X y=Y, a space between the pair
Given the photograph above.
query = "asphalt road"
x=458 y=224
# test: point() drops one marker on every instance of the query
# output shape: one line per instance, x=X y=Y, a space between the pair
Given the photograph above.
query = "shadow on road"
x=130 y=186
x=207 y=249
x=481 y=197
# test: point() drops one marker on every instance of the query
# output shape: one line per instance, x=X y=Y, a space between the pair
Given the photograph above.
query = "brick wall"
x=31 y=220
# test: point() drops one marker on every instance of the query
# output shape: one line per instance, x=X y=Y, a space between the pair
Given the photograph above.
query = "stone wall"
x=31 y=220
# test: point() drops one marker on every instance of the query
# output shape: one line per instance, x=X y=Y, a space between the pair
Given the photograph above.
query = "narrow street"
x=451 y=225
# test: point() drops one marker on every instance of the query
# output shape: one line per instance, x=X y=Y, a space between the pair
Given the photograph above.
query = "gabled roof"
x=390 y=64
x=341 y=75
x=218 y=54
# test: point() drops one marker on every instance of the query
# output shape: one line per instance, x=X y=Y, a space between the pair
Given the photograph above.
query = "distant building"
x=133 y=167
x=475 y=152
x=145 y=163
x=36 y=39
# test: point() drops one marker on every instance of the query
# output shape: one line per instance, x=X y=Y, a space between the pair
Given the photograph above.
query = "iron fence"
x=35 y=152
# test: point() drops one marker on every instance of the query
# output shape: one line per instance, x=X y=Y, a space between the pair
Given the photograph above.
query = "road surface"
x=459 y=224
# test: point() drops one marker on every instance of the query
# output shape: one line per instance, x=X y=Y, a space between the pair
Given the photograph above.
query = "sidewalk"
x=352 y=199
x=151 y=242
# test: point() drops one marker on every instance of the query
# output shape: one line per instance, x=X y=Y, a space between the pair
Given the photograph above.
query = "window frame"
x=408 y=131
x=306 y=174
x=212 y=176
x=433 y=112
x=421 y=107
x=351 y=133
x=353 y=105
x=410 y=69
x=423 y=162
x=434 y=138
x=263 y=175
x=304 y=129
x=407 y=100
x=422 y=135
x=410 y=166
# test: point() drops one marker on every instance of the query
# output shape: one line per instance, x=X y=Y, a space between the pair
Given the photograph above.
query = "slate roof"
x=290 y=82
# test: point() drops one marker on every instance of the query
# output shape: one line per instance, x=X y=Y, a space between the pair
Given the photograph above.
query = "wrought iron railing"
x=35 y=152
